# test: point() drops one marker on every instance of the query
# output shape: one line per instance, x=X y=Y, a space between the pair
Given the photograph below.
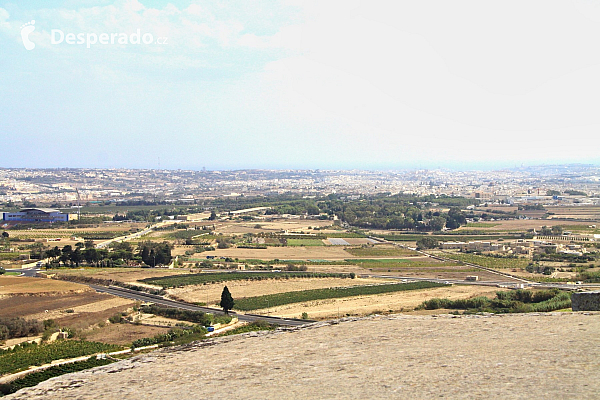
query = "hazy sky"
x=301 y=84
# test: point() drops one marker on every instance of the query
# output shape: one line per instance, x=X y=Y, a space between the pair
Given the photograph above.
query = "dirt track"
x=529 y=356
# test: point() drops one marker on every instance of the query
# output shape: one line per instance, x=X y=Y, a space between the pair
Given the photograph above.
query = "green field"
x=22 y=357
x=481 y=224
x=506 y=302
x=305 y=242
x=489 y=262
x=55 y=233
x=9 y=256
x=37 y=377
x=278 y=299
x=389 y=265
x=216 y=277
x=380 y=252
x=342 y=235
x=446 y=238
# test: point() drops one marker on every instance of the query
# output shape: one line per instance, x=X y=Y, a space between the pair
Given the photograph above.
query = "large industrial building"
x=36 y=215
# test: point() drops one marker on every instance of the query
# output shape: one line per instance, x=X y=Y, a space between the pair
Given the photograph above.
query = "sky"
x=299 y=84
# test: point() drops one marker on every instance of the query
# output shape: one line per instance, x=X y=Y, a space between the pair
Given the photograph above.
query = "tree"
x=226 y=300
x=152 y=254
x=213 y=216
x=437 y=223
x=5 y=235
x=427 y=243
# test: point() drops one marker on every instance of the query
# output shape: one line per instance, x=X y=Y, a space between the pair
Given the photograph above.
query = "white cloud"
x=4 y=15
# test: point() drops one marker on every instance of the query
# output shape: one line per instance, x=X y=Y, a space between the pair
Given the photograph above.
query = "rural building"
x=484 y=246
x=453 y=245
x=36 y=215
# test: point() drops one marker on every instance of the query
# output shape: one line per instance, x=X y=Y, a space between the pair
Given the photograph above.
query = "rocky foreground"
x=519 y=356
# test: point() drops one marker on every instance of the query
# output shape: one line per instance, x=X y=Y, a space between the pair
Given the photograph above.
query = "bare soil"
x=122 y=334
x=26 y=306
x=129 y=275
x=25 y=285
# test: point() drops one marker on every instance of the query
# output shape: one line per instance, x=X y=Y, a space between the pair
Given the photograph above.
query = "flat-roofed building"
x=36 y=215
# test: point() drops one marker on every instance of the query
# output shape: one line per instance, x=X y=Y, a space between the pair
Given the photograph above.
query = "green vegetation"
x=489 y=262
x=481 y=224
x=19 y=327
x=394 y=264
x=226 y=300
x=446 y=237
x=519 y=301
x=173 y=337
x=278 y=299
x=427 y=242
x=380 y=252
x=251 y=327
x=590 y=276
x=36 y=377
x=9 y=256
x=216 y=277
x=25 y=355
x=153 y=253
x=196 y=317
x=304 y=242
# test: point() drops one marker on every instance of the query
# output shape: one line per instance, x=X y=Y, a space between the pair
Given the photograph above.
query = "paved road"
x=136 y=235
x=511 y=284
x=141 y=296
x=515 y=280
x=32 y=272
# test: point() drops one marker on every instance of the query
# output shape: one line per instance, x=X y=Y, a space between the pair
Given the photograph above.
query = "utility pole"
x=78 y=204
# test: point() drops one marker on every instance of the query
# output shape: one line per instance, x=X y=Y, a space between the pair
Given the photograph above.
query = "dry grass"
x=130 y=275
x=524 y=224
x=239 y=228
x=122 y=333
x=364 y=305
x=24 y=285
x=285 y=253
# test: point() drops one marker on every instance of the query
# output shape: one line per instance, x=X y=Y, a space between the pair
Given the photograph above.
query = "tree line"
x=119 y=254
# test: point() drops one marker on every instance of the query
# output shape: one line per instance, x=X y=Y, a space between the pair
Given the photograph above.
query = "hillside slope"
x=553 y=355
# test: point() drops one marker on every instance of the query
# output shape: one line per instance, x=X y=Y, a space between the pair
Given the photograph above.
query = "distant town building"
x=36 y=215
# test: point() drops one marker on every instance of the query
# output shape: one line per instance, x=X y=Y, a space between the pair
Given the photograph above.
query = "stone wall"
x=585 y=301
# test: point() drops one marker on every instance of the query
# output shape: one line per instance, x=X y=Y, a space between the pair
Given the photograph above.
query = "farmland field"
x=198 y=279
x=481 y=225
x=273 y=300
x=285 y=253
x=489 y=262
x=129 y=275
x=21 y=358
x=420 y=263
x=122 y=334
x=211 y=293
x=305 y=242
x=381 y=252
x=363 y=305
x=25 y=285
x=40 y=376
